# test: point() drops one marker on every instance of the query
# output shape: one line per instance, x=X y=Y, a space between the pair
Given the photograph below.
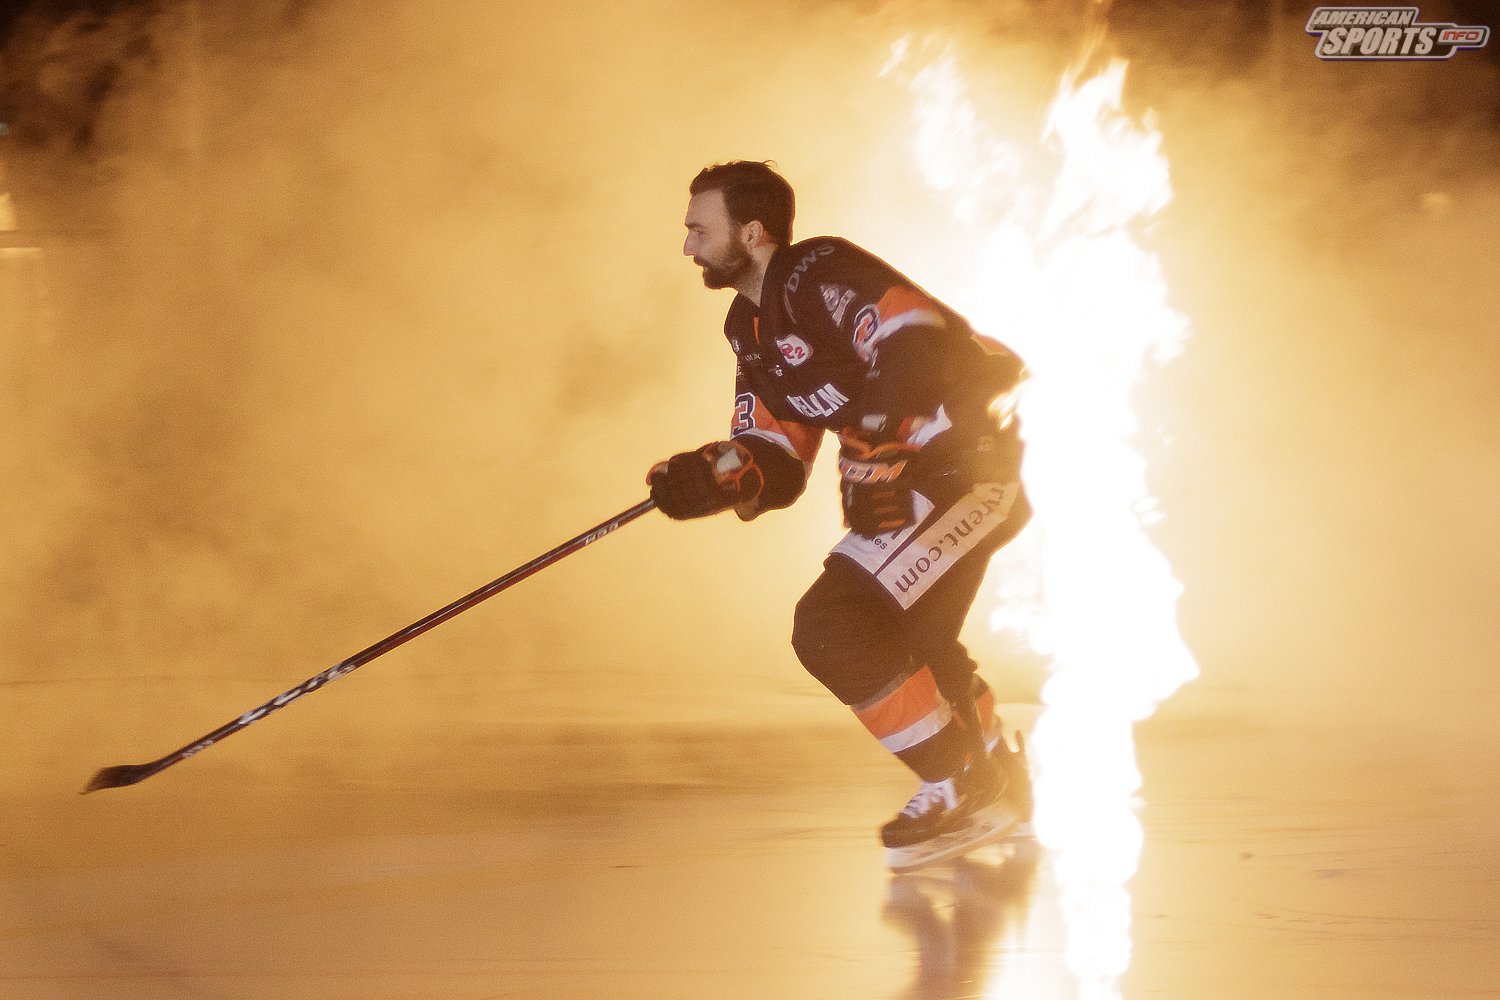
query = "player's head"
x=735 y=208
x=753 y=192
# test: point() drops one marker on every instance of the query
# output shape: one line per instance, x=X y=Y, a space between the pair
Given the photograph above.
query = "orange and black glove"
x=876 y=496
x=716 y=477
x=872 y=509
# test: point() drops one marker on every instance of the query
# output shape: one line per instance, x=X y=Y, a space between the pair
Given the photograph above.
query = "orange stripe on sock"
x=985 y=706
x=916 y=699
x=920 y=731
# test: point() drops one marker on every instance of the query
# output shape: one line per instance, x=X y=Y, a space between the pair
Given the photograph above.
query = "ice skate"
x=1013 y=764
x=947 y=819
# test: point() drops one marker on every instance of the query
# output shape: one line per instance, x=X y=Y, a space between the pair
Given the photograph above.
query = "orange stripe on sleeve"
x=799 y=440
x=900 y=299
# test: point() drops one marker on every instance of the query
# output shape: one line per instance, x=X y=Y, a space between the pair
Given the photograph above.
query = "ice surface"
x=1279 y=862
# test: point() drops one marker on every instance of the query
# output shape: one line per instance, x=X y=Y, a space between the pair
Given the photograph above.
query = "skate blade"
x=1019 y=832
x=1002 y=825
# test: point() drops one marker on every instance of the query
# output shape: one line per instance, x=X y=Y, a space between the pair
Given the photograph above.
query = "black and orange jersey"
x=844 y=342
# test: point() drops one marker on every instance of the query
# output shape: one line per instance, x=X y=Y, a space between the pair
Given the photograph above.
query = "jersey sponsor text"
x=824 y=401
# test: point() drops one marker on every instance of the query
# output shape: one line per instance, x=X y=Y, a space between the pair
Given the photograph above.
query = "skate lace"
x=932 y=795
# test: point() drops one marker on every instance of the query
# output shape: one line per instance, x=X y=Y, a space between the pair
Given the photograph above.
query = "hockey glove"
x=876 y=497
x=872 y=509
x=703 y=482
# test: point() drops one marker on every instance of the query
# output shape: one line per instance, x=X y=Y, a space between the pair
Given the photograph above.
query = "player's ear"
x=754 y=233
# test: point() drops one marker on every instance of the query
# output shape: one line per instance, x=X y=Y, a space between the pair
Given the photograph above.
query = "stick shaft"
x=130 y=774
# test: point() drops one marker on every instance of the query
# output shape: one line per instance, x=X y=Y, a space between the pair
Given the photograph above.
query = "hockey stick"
x=128 y=774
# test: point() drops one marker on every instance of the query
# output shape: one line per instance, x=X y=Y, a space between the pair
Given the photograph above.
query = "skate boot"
x=949 y=818
x=1012 y=763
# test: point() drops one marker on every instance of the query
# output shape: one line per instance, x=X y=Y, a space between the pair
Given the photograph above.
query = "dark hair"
x=753 y=192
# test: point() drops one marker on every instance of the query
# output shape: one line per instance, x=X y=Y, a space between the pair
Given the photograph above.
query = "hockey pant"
x=879 y=627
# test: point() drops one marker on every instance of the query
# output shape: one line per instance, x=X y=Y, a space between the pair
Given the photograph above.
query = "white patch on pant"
x=906 y=563
x=873 y=553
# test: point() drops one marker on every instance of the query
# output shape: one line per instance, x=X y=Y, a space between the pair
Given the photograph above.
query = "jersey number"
x=744 y=412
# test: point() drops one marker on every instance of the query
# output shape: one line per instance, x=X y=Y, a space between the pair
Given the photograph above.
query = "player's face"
x=713 y=241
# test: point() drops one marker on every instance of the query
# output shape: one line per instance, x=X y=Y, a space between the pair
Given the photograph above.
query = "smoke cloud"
x=340 y=313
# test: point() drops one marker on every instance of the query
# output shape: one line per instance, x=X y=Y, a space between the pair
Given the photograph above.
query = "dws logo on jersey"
x=794 y=349
x=795 y=278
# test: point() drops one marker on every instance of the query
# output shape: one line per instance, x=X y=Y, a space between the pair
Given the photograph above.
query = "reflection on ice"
x=965 y=918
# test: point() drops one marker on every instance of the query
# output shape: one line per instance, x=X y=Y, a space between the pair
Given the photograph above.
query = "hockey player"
x=829 y=337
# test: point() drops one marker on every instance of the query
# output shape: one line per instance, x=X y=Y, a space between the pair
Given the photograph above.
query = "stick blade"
x=117 y=777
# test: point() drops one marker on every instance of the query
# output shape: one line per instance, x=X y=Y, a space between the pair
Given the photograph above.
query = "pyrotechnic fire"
x=1061 y=276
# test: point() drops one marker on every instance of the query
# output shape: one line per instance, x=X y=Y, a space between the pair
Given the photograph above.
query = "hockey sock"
x=913 y=720
x=984 y=703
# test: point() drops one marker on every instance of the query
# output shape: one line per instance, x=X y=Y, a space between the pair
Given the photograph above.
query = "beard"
x=728 y=269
